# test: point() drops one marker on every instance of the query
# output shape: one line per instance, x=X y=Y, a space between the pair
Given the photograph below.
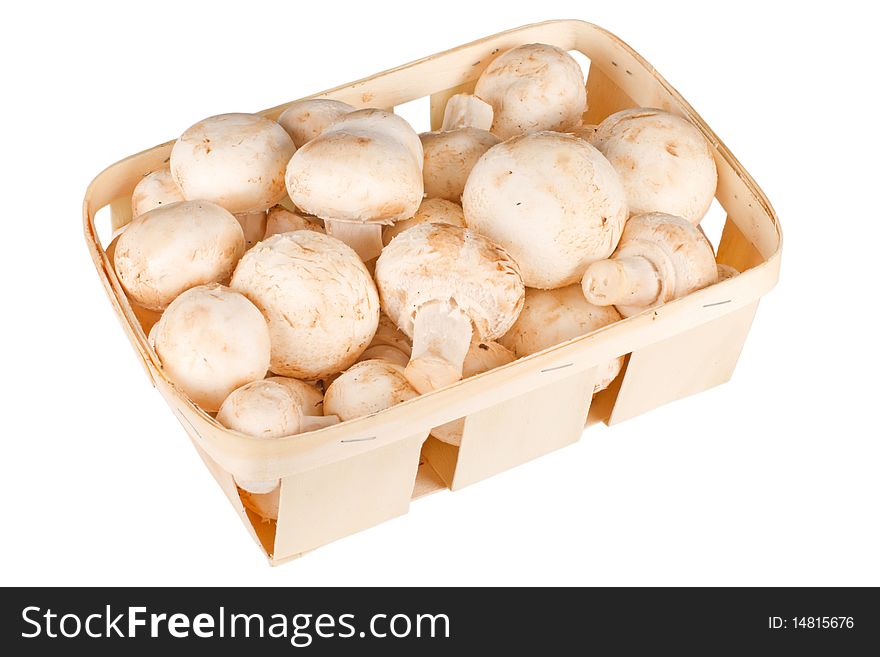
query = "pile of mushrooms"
x=334 y=263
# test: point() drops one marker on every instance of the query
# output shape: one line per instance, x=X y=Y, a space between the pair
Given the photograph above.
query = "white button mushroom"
x=367 y=387
x=466 y=111
x=550 y=317
x=281 y=220
x=442 y=284
x=660 y=258
x=234 y=160
x=533 y=87
x=175 y=247
x=154 y=189
x=449 y=158
x=431 y=210
x=552 y=200
x=306 y=119
x=320 y=302
x=664 y=162
x=212 y=340
x=481 y=357
x=272 y=408
x=363 y=171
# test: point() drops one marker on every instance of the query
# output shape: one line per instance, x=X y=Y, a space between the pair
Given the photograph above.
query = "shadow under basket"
x=354 y=475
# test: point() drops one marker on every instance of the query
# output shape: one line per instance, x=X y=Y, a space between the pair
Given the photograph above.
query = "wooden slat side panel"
x=736 y=250
x=690 y=362
x=523 y=428
x=321 y=505
x=604 y=97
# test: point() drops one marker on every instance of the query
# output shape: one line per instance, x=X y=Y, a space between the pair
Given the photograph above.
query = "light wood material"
x=343 y=478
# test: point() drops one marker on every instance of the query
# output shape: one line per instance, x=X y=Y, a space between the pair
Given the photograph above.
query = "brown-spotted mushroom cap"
x=154 y=189
x=552 y=200
x=210 y=341
x=320 y=302
x=175 y=247
x=363 y=171
x=467 y=111
x=282 y=220
x=234 y=160
x=431 y=210
x=660 y=258
x=449 y=158
x=531 y=88
x=367 y=387
x=306 y=119
x=550 y=317
x=441 y=285
x=664 y=162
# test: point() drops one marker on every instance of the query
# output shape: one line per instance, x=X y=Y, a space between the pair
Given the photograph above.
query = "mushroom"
x=272 y=408
x=466 y=111
x=389 y=343
x=367 y=387
x=236 y=161
x=660 y=258
x=175 y=247
x=664 y=162
x=552 y=200
x=282 y=220
x=531 y=88
x=550 y=317
x=154 y=189
x=267 y=409
x=584 y=132
x=449 y=157
x=363 y=171
x=320 y=302
x=306 y=119
x=481 y=357
x=431 y=210
x=210 y=341
x=441 y=285
x=725 y=272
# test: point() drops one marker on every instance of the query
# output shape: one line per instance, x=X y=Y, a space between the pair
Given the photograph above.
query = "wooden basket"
x=348 y=477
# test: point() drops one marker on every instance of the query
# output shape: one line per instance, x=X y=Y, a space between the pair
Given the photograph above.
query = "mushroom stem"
x=365 y=239
x=467 y=111
x=632 y=281
x=441 y=337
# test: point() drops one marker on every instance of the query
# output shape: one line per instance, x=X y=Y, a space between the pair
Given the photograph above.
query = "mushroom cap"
x=388 y=335
x=175 y=247
x=282 y=220
x=584 y=131
x=664 y=162
x=211 y=340
x=485 y=355
x=269 y=408
x=439 y=262
x=360 y=169
x=467 y=111
x=306 y=119
x=449 y=158
x=234 y=160
x=677 y=246
x=367 y=387
x=154 y=189
x=533 y=87
x=431 y=210
x=379 y=121
x=550 y=317
x=552 y=200
x=320 y=302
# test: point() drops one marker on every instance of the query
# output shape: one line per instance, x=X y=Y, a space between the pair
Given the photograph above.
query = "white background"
x=771 y=479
